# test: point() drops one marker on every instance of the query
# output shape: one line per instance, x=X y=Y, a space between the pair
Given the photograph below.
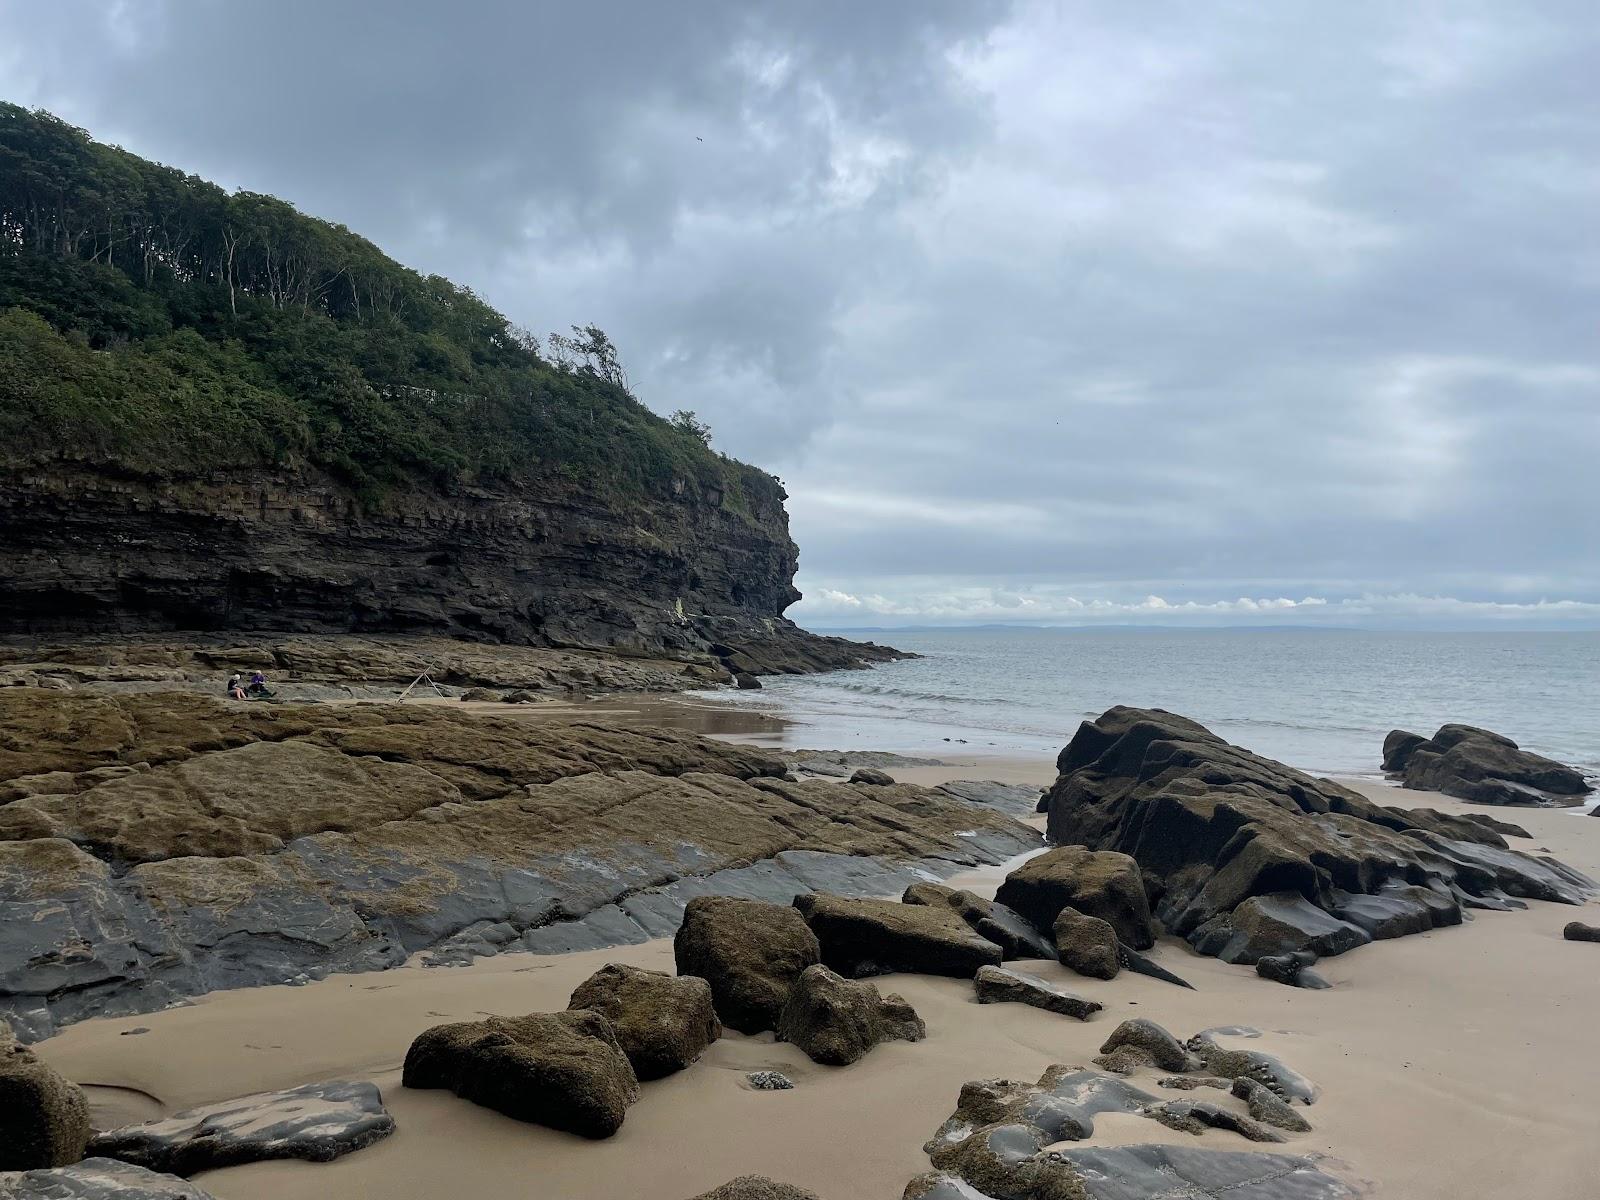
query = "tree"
x=685 y=421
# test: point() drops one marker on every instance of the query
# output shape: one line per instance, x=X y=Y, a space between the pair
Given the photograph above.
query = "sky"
x=1176 y=313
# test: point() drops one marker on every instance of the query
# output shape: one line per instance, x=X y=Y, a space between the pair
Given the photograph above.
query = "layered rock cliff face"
x=699 y=573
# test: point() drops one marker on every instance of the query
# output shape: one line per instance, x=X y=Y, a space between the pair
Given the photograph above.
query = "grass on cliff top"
x=154 y=324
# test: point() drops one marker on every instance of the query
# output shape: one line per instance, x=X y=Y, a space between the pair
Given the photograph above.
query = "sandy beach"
x=1452 y=1063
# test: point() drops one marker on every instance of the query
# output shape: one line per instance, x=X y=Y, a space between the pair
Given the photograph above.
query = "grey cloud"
x=1201 y=302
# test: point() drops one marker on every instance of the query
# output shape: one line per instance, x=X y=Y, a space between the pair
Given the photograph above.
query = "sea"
x=1320 y=700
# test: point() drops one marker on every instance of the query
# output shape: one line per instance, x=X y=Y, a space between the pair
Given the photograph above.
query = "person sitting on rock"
x=258 y=687
x=236 y=687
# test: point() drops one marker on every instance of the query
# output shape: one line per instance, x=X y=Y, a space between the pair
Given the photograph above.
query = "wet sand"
x=1454 y=1063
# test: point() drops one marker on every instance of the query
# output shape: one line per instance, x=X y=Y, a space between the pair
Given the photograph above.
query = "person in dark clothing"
x=258 y=689
x=236 y=687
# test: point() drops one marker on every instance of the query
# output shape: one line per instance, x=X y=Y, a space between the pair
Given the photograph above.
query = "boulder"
x=662 y=1022
x=1397 y=748
x=1216 y=1059
x=1141 y=1042
x=1100 y=884
x=872 y=775
x=989 y=919
x=564 y=1070
x=746 y=682
x=1214 y=828
x=1087 y=944
x=836 y=1020
x=1267 y=1106
x=98 y=1179
x=1197 y=1116
x=1577 y=931
x=756 y=1187
x=999 y=985
x=318 y=1122
x=1293 y=970
x=1475 y=764
x=44 y=1119
x=872 y=937
x=749 y=951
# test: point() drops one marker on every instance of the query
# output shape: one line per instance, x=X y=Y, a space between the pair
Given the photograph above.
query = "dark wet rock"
x=750 y=952
x=1398 y=911
x=1061 y=1107
x=564 y=1070
x=1099 y=884
x=1577 y=931
x=662 y=1022
x=836 y=1020
x=1161 y=1172
x=873 y=776
x=870 y=937
x=746 y=682
x=1267 y=1106
x=44 y=1118
x=1293 y=969
x=941 y=1185
x=1141 y=964
x=1488 y=768
x=1216 y=1059
x=1141 y=1042
x=98 y=1179
x=999 y=985
x=991 y=920
x=1016 y=799
x=769 y=1081
x=1087 y=944
x=1249 y=858
x=756 y=1187
x=1197 y=1116
x=1009 y=1161
x=318 y=1122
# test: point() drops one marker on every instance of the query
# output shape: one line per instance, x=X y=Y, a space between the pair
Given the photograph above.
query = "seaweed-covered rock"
x=1060 y=1107
x=871 y=937
x=318 y=1122
x=564 y=1070
x=989 y=919
x=1087 y=944
x=1475 y=764
x=1099 y=884
x=1293 y=970
x=749 y=951
x=1267 y=1106
x=1141 y=1042
x=837 y=1020
x=44 y=1118
x=999 y=985
x=1250 y=1064
x=756 y=1187
x=1577 y=931
x=662 y=1022
x=1196 y=1116
x=1249 y=858
x=98 y=1179
x=1009 y=1160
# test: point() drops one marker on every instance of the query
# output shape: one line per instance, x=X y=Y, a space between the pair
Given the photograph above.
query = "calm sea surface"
x=1321 y=701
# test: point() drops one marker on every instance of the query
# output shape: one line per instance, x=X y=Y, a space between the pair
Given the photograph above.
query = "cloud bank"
x=1103 y=312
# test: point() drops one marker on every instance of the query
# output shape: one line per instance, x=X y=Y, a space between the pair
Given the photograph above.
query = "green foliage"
x=151 y=322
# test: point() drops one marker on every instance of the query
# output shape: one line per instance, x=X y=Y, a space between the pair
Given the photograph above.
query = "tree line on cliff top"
x=153 y=323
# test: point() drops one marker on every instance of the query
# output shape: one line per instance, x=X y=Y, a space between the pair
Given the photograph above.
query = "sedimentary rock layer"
x=159 y=846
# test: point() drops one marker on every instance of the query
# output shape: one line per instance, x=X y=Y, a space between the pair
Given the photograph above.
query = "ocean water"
x=1318 y=700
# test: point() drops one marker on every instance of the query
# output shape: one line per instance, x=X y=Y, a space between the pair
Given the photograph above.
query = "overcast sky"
x=1069 y=312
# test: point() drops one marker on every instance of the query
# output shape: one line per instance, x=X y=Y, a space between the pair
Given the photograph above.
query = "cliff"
x=219 y=413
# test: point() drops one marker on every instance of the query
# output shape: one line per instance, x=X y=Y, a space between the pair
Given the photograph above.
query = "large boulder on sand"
x=749 y=951
x=662 y=1022
x=1212 y=827
x=564 y=1070
x=875 y=937
x=1001 y=985
x=1141 y=1042
x=1087 y=944
x=44 y=1119
x=1577 y=931
x=1475 y=764
x=1100 y=884
x=837 y=1020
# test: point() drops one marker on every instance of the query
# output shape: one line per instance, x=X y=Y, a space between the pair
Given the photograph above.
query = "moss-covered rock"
x=837 y=1020
x=750 y=952
x=1086 y=944
x=44 y=1118
x=871 y=937
x=662 y=1022
x=1098 y=883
